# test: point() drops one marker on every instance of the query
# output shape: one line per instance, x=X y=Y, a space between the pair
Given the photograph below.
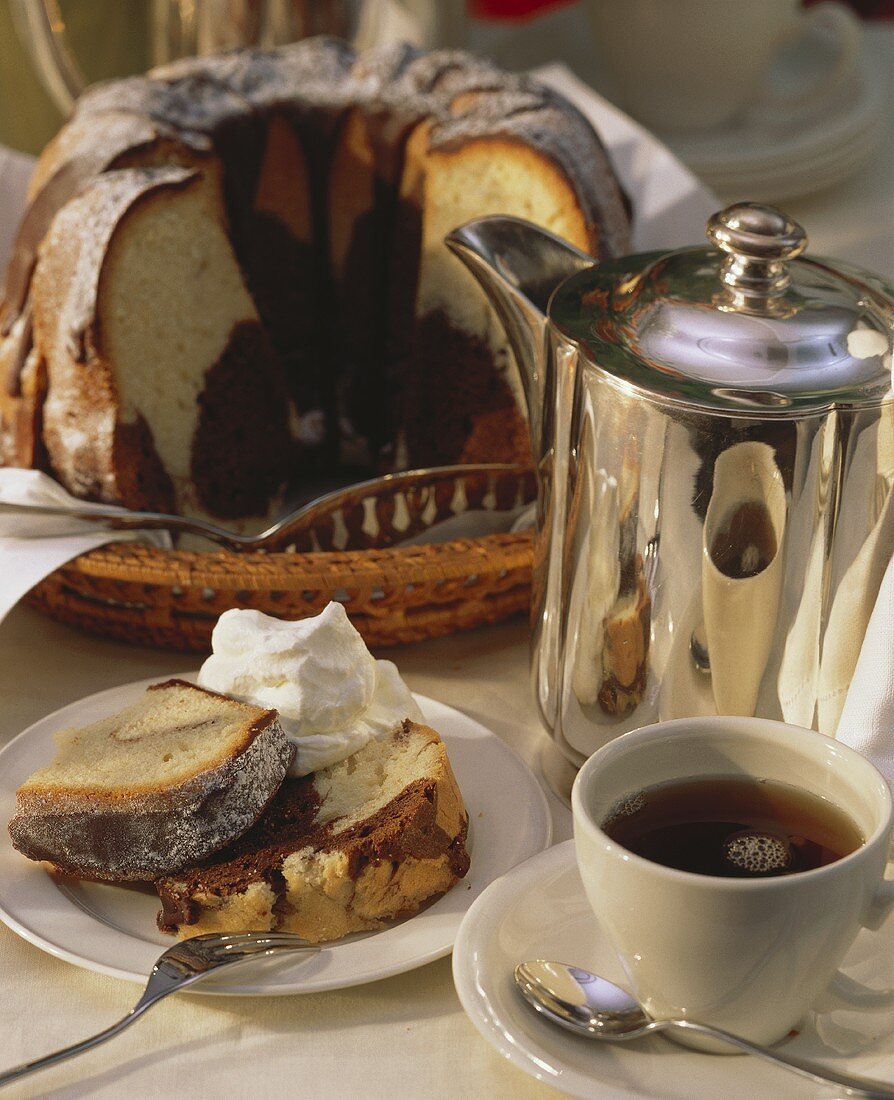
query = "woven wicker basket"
x=393 y=594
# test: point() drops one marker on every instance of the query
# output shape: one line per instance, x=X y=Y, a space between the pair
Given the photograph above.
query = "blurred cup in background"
x=691 y=65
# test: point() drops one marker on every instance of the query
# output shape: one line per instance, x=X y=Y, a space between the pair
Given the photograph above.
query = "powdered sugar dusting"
x=313 y=72
x=196 y=97
x=199 y=95
x=528 y=111
x=131 y=838
x=77 y=244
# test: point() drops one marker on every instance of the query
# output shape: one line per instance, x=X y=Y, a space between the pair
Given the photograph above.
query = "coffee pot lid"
x=749 y=326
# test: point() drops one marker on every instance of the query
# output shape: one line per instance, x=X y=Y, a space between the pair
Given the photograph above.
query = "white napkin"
x=32 y=547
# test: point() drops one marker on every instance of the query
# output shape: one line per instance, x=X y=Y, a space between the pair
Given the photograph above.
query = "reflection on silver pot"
x=714 y=439
x=742 y=552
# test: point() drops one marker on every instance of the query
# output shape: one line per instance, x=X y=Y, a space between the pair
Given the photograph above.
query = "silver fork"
x=179 y=967
x=277 y=535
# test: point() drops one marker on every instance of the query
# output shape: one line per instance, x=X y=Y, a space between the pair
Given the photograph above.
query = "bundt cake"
x=168 y=780
x=342 y=850
x=320 y=319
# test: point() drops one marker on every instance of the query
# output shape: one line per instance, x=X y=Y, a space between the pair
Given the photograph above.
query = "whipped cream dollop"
x=332 y=695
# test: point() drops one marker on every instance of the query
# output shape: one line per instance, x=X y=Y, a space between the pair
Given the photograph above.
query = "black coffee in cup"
x=733 y=827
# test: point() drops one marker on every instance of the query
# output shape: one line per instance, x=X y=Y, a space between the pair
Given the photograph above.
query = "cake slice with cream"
x=336 y=815
x=368 y=826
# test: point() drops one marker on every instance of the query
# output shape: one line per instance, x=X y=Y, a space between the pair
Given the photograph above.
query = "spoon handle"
x=854 y=1086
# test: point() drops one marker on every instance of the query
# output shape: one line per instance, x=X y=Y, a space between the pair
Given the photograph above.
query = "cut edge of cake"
x=150 y=814
x=208 y=435
x=369 y=840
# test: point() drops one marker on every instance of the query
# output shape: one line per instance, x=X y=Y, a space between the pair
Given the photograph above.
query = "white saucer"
x=539 y=910
x=111 y=929
x=770 y=155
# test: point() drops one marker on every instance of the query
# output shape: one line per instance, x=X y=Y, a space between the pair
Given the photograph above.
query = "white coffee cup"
x=747 y=955
x=687 y=65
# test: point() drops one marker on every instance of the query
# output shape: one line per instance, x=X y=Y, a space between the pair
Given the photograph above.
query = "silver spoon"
x=589 y=1005
x=179 y=967
x=295 y=523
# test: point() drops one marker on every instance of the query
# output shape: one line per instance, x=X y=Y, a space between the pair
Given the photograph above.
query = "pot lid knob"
x=758 y=240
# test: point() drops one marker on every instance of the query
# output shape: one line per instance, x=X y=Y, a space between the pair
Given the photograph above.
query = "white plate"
x=111 y=929
x=539 y=910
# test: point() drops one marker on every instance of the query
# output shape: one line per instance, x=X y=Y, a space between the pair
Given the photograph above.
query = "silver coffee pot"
x=713 y=432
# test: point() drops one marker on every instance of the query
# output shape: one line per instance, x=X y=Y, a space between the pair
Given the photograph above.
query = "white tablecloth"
x=404 y=1037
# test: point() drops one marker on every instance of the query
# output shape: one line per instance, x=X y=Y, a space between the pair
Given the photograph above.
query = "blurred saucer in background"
x=793 y=144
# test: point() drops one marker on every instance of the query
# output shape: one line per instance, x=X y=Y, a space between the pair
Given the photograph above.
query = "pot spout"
x=519 y=265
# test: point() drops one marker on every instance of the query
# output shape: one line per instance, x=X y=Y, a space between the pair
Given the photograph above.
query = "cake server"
x=289 y=527
x=591 y=1006
x=179 y=967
